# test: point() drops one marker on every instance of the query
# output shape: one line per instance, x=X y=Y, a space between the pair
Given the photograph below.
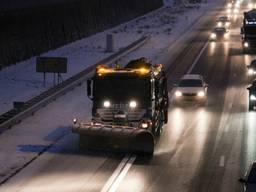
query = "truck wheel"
x=165 y=116
x=83 y=142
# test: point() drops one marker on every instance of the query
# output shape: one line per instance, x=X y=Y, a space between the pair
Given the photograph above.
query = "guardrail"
x=15 y=116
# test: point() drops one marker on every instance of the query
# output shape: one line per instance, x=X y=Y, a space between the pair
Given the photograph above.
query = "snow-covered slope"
x=20 y=82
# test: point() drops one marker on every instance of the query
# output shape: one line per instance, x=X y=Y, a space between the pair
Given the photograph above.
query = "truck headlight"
x=106 y=104
x=213 y=35
x=144 y=125
x=178 y=94
x=253 y=98
x=133 y=104
x=246 y=44
x=200 y=94
x=229 y=5
x=219 y=24
x=226 y=35
x=227 y=24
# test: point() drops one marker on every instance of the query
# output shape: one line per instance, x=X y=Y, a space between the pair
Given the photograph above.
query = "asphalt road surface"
x=202 y=148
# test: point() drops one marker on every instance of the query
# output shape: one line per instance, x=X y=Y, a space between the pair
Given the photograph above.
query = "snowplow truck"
x=248 y=30
x=129 y=108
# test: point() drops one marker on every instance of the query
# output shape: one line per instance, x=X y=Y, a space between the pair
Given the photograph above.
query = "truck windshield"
x=251 y=30
x=121 y=88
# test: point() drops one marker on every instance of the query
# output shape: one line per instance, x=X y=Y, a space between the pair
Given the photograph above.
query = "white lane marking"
x=222 y=161
x=122 y=174
x=198 y=57
x=119 y=173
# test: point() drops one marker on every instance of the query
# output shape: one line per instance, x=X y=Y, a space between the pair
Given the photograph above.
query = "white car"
x=191 y=87
x=219 y=33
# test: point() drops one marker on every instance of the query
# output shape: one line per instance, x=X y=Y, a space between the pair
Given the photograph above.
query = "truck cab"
x=129 y=107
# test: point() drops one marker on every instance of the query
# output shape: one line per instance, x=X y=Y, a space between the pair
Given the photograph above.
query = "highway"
x=202 y=148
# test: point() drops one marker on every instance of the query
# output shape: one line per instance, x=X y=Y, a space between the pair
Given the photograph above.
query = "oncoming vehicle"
x=249 y=181
x=252 y=68
x=223 y=21
x=252 y=95
x=191 y=87
x=129 y=108
x=248 y=30
x=219 y=33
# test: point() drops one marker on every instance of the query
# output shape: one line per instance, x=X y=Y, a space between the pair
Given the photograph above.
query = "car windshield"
x=223 y=19
x=219 y=30
x=121 y=88
x=190 y=83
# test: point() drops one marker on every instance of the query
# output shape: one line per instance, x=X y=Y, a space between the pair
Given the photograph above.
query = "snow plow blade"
x=114 y=137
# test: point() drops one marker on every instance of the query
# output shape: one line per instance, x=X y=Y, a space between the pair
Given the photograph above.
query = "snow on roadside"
x=20 y=82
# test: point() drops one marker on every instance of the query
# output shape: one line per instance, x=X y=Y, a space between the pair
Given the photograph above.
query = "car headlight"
x=246 y=44
x=253 y=98
x=250 y=5
x=178 y=94
x=226 y=35
x=227 y=24
x=219 y=24
x=229 y=5
x=229 y=10
x=213 y=35
x=250 y=71
x=133 y=104
x=236 y=11
x=200 y=94
x=106 y=104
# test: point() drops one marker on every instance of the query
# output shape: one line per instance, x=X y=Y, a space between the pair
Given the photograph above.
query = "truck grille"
x=132 y=115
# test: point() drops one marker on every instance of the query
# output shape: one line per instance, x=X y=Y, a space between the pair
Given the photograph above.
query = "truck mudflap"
x=114 y=137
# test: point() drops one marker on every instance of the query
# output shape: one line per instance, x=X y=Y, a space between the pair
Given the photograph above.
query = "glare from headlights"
x=229 y=10
x=106 y=104
x=133 y=104
x=250 y=71
x=250 y=5
x=213 y=35
x=200 y=94
x=144 y=125
x=227 y=24
x=226 y=35
x=229 y=5
x=253 y=98
x=219 y=24
x=246 y=44
x=236 y=11
x=178 y=94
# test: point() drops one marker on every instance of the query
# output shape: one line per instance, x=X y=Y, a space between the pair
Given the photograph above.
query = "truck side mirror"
x=89 y=88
